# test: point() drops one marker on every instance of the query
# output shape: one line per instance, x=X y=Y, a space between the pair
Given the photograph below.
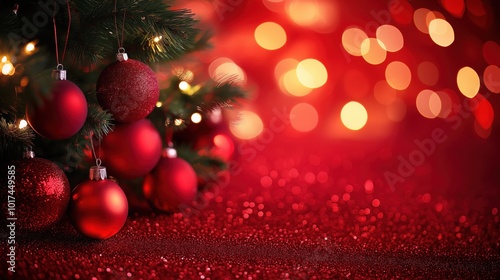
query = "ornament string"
x=55 y=32
x=98 y=161
x=120 y=42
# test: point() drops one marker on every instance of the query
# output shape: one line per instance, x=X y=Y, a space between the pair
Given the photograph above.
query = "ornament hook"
x=59 y=73
x=121 y=55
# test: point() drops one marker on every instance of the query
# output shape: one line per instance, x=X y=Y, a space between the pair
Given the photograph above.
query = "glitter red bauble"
x=41 y=192
x=61 y=114
x=131 y=150
x=128 y=89
x=173 y=182
x=98 y=208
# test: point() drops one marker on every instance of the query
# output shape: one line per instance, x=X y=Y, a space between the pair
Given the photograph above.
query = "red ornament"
x=131 y=150
x=128 y=89
x=171 y=183
x=98 y=207
x=61 y=114
x=41 y=192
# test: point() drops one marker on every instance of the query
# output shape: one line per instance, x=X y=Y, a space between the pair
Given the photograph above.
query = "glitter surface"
x=299 y=231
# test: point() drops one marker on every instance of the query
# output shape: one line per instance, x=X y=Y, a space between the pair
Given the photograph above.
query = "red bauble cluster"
x=98 y=208
x=171 y=183
x=131 y=150
x=41 y=191
x=61 y=114
x=128 y=89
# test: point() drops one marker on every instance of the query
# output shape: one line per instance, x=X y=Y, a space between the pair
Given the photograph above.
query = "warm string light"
x=7 y=67
x=157 y=39
x=196 y=117
x=22 y=124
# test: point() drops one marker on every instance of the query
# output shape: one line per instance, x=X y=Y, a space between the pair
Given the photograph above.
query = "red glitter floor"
x=303 y=223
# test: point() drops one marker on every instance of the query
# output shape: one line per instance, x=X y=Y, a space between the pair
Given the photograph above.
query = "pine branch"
x=144 y=20
x=99 y=122
x=201 y=98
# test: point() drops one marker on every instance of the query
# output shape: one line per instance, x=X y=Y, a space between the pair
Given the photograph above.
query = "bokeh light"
x=484 y=113
x=319 y=15
x=23 y=123
x=491 y=78
x=223 y=146
x=30 y=47
x=401 y=11
x=196 y=117
x=352 y=38
x=304 y=117
x=428 y=73
x=420 y=20
x=454 y=7
x=270 y=35
x=372 y=51
x=384 y=93
x=398 y=75
x=390 y=38
x=490 y=50
x=441 y=32
x=248 y=126
x=428 y=104
x=354 y=115
x=468 y=82
x=224 y=69
x=312 y=73
x=446 y=104
x=286 y=75
x=292 y=84
x=284 y=66
x=8 y=68
x=277 y=6
x=184 y=86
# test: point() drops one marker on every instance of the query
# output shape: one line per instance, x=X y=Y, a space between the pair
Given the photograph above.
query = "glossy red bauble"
x=98 y=208
x=61 y=114
x=128 y=89
x=131 y=150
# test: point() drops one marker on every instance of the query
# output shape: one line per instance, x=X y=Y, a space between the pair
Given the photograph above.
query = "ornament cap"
x=29 y=154
x=121 y=55
x=169 y=152
x=98 y=173
x=59 y=73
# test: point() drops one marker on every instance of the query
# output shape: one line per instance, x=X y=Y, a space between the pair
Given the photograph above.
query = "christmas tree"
x=87 y=83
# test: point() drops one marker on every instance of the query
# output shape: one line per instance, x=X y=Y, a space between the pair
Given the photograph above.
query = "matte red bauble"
x=131 y=150
x=98 y=207
x=61 y=114
x=128 y=89
x=171 y=183
x=41 y=192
